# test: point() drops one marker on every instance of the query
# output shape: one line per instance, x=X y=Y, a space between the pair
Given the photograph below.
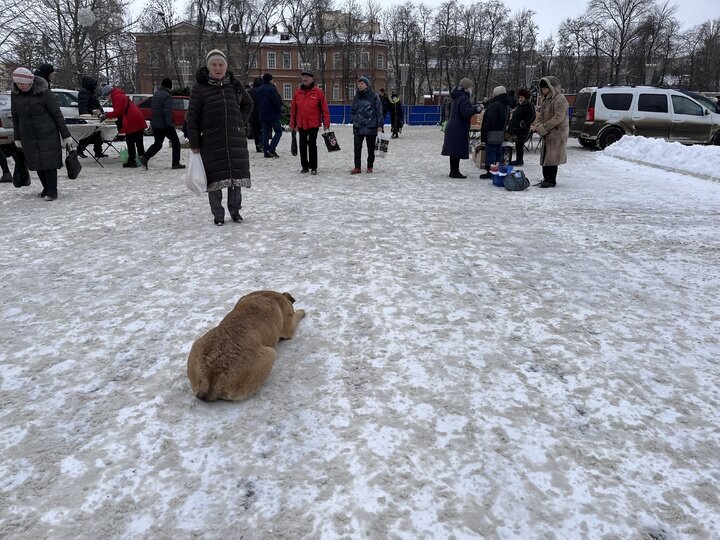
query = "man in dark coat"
x=255 y=124
x=89 y=103
x=385 y=103
x=270 y=110
x=217 y=132
x=47 y=72
x=38 y=126
x=367 y=121
x=163 y=126
x=520 y=121
x=396 y=115
x=493 y=127
x=457 y=130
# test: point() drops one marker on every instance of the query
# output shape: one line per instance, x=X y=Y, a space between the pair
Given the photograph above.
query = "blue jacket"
x=268 y=102
x=366 y=112
x=457 y=130
x=162 y=102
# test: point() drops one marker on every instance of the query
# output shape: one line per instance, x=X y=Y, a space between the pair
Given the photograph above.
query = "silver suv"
x=602 y=115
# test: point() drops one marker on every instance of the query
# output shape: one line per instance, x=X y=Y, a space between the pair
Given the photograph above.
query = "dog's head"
x=289 y=297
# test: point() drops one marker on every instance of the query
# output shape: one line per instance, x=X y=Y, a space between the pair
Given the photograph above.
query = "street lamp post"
x=403 y=82
x=169 y=35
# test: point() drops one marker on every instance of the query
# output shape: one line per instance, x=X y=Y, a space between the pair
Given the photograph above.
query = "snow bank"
x=695 y=160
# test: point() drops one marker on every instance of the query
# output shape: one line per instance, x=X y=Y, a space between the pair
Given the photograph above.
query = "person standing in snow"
x=163 y=126
x=219 y=110
x=88 y=103
x=269 y=107
x=308 y=111
x=396 y=115
x=255 y=123
x=457 y=129
x=367 y=120
x=519 y=126
x=38 y=126
x=493 y=125
x=553 y=126
x=6 y=174
x=131 y=122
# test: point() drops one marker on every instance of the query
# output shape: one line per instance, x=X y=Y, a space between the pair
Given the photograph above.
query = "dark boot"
x=456 y=174
x=486 y=176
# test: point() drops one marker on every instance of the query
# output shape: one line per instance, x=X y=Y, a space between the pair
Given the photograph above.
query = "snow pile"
x=695 y=160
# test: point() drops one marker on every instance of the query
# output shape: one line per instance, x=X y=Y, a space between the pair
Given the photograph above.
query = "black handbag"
x=331 y=141
x=72 y=163
x=293 y=144
x=21 y=173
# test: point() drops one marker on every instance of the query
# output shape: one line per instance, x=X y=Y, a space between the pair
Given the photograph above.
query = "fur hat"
x=465 y=83
x=523 y=93
x=44 y=71
x=267 y=77
x=499 y=90
x=23 y=76
x=166 y=83
x=308 y=73
x=105 y=90
x=364 y=79
x=215 y=54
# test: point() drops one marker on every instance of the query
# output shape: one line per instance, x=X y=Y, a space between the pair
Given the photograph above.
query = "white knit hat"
x=499 y=90
x=215 y=54
x=23 y=76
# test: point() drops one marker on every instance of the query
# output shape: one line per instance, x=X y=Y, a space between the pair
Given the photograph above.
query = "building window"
x=300 y=62
x=337 y=60
x=336 y=92
x=185 y=71
x=287 y=91
x=352 y=62
x=287 y=60
x=351 y=89
x=322 y=59
x=271 y=62
x=381 y=61
x=365 y=59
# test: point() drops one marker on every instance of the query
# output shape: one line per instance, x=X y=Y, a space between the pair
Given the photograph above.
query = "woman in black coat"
x=218 y=112
x=520 y=121
x=38 y=126
x=457 y=130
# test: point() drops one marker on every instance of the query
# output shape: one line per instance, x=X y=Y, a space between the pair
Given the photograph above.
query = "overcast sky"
x=550 y=13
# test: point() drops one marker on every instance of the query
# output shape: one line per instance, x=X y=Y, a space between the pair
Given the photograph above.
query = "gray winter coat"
x=366 y=113
x=216 y=119
x=162 y=103
x=39 y=125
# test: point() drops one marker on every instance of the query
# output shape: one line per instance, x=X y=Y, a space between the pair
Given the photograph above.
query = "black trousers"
x=160 y=135
x=95 y=139
x=135 y=145
x=370 y=141
x=550 y=173
x=454 y=164
x=520 y=139
x=4 y=163
x=308 y=148
x=48 y=179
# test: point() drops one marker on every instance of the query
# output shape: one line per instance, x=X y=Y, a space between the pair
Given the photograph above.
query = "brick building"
x=174 y=53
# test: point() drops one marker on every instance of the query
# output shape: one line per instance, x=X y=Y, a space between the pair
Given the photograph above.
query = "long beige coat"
x=553 y=124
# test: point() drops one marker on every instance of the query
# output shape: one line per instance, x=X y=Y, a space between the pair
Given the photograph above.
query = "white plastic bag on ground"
x=195 y=179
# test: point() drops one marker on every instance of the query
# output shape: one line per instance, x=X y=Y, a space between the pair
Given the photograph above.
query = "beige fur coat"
x=553 y=124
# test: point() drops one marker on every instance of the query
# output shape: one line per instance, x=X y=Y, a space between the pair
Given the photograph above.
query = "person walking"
x=6 y=174
x=492 y=130
x=367 y=120
x=521 y=119
x=38 y=126
x=385 y=103
x=131 y=122
x=255 y=123
x=88 y=103
x=219 y=110
x=308 y=111
x=270 y=111
x=553 y=126
x=163 y=126
x=396 y=115
x=457 y=129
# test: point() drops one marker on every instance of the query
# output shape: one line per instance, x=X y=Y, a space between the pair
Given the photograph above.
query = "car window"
x=62 y=98
x=582 y=100
x=617 y=102
x=682 y=105
x=653 y=103
x=180 y=104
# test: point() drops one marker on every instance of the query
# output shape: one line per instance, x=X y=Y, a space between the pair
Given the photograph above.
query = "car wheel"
x=609 y=137
x=148 y=131
x=587 y=143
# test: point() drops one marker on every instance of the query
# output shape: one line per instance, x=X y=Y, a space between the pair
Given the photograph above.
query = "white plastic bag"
x=195 y=179
x=382 y=142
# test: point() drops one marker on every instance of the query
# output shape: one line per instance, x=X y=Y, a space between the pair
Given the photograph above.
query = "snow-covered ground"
x=475 y=363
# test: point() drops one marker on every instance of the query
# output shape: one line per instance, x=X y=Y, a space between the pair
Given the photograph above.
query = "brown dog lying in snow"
x=232 y=360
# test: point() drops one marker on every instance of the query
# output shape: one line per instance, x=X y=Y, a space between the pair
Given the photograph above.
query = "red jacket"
x=132 y=119
x=309 y=109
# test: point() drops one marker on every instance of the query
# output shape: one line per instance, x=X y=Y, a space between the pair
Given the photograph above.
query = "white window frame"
x=337 y=60
x=287 y=60
x=351 y=89
x=380 y=61
x=336 y=92
x=365 y=59
x=271 y=60
x=352 y=60
x=287 y=91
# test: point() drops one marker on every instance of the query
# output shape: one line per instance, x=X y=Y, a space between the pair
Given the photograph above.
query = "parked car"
x=180 y=107
x=602 y=115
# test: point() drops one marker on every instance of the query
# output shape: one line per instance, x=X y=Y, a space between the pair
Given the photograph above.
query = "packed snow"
x=475 y=363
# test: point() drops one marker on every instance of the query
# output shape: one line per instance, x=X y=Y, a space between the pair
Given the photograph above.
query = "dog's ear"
x=289 y=297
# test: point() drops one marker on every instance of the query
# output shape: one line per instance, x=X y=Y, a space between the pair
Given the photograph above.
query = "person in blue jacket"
x=367 y=120
x=269 y=107
x=457 y=130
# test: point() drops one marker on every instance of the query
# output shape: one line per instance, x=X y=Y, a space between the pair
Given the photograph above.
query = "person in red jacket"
x=131 y=122
x=308 y=111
